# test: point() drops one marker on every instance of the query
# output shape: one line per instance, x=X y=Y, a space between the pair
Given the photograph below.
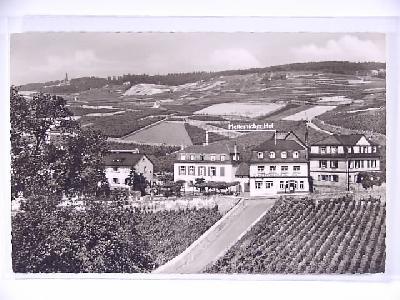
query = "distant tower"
x=66 y=78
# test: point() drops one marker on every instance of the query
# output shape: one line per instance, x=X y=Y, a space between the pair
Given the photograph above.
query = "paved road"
x=218 y=241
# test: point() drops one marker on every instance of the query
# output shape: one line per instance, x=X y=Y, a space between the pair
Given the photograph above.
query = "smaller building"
x=337 y=160
x=118 y=165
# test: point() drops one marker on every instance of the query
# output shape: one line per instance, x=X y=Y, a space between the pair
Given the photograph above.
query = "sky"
x=40 y=57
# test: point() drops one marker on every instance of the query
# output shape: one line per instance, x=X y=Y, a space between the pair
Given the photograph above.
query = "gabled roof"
x=243 y=170
x=340 y=139
x=125 y=159
x=282 y=145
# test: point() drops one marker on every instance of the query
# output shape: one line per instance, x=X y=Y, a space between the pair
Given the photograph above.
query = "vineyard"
x=312 y=237
x=123 y=124
x=168 y=233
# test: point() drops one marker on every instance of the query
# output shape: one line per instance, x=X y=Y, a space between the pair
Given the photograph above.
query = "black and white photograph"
x=198 y=152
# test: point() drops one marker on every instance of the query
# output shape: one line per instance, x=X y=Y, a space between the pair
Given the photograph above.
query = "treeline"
x=85 y=83
x=75 y=85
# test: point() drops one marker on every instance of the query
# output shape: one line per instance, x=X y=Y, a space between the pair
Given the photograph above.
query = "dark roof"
x=243 y=170
x=225 y=147
x=283 y=145
x=340 y=139
x=122 y=159
x=349 y=139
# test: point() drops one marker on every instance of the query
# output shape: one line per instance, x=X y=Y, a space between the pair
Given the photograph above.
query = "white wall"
x=303 y=168
x=275 y=189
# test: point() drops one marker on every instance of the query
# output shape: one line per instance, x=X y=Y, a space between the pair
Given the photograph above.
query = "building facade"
x=337 y=160
x=279 y=167
x=118 y=165
x=214 y=162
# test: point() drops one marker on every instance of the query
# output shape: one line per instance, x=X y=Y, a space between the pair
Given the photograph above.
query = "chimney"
x=235 y=150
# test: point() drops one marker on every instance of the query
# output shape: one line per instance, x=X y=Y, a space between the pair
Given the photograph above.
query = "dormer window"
x=323 y=150
x=201 y=156
x=272 y=154
x=283 y=154
x=222 y=157
x=183 y=156
x=260 y=155
x=296 y=154
x=212 y=157
x=192 y=157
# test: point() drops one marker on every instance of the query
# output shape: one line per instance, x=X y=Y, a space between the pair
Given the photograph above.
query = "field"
x=363 y=118
x=123 y=124
x=312 y=237
x=240 y=109
x=168 y=133
x=309 y=113
x=168 y=233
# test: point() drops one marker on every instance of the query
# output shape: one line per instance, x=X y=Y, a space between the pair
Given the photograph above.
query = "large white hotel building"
x=282 y=165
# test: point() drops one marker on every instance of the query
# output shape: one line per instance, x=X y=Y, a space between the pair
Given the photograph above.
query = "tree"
x=137 y=182
x=370 y=179
x=50 y=153
x=101 y=238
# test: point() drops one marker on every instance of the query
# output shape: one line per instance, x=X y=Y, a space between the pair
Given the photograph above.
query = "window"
x=212 y=157
x=357 y=164
x=374 y=149
x=272 y=168
x=202 y=171
x=269 y=184
x=335 y=178
x=258 y=185
x=222 y=157
x=283 y=154
x=191 y=170
x=115 y=180
x=296 y=154
x=334 y=164
x=284 y=168
x=115 y=169
x=323 y=164
x=182 y=170
x=183 y=157
x=296 y=168
x=260 y=169
x=260 y=155
x=222 y=171
x=373 y=163
x=302 y=185
x=323 y=150
x=191 y=156
x=201 y=156
x=349 y=149
x=272 y=154
x=334 y=149
x=213 y=171
x=281 y=185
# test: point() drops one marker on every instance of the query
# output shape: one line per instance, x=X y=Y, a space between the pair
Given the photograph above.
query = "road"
x=215 y=242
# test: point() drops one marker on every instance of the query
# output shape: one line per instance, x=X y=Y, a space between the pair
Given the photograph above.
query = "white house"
x=214 y=162
x=118 y=165
x=279 y=167
x=338 y=159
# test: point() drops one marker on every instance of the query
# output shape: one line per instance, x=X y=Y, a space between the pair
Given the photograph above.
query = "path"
x=219 y=238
